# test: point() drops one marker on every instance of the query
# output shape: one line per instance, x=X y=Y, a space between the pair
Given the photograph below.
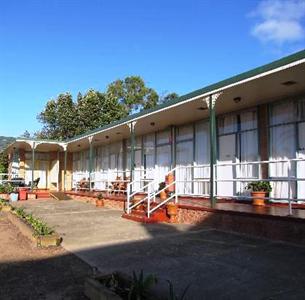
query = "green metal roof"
x=221 y=84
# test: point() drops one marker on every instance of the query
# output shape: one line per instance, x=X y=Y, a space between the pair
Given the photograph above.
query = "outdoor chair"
x=35 y=183
x=17 y=182
x=83 y=184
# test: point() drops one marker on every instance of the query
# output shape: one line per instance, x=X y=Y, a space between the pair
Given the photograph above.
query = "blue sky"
x=53 y=46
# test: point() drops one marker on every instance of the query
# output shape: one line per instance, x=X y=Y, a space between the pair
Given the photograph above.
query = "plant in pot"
x=162 y=190
x=259 y=190
x=4 y=205
x=172 y=211
x=137 y=201
x=3 y=193
x=13 y=192
x=99 y=202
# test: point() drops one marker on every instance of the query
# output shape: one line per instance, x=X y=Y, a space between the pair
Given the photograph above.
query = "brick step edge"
x=140 y=219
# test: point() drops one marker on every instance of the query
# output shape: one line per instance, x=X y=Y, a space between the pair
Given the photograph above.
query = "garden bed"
x=118 y=286
x=31 y=227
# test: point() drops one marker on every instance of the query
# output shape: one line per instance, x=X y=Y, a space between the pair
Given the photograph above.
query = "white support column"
x=131 y=126
x=65 y=165
x=33 y=145
x=211 y=102
x=90 y=139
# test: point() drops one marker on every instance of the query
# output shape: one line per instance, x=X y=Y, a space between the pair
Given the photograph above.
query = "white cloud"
x=279 y=21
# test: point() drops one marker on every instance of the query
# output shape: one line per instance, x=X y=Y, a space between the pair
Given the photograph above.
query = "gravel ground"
x=27 y=272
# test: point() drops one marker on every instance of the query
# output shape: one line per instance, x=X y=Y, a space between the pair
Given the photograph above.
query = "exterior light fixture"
x=152 y=123
x=237 y=99
x=289 y=83
x=107 y=136
x=78 y=145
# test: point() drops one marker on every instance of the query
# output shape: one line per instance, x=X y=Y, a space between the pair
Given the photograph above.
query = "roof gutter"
x=203 y=95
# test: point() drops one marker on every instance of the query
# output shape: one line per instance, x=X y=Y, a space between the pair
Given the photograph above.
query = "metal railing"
x=9 y=177
x=291 y=169
x=150 y=192
x=291 y=178
x=106 y=180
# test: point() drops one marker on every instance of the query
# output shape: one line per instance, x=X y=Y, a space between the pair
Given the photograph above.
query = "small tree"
x=3 y=162
x=26 y=134
x=132 y=94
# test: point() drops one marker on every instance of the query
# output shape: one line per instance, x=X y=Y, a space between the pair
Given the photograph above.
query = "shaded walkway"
x=218 y=265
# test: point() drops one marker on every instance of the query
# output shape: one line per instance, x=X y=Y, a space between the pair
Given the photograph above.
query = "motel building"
x=212 y=142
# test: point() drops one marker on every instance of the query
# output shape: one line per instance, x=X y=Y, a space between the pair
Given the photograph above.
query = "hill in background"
x=4 y=141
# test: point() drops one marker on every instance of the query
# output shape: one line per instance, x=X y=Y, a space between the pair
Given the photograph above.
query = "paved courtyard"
x=217 y=265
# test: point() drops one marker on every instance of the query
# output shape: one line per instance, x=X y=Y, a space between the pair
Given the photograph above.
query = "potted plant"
x=99 y=202
x=119 y=285
x=3 y=193
x=163 y=192
x=172 y=211
x=4 y=205
x=259 y=190
x=12 y=191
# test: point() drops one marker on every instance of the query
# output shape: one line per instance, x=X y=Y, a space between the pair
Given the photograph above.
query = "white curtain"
x=301 y=164
x=248 y=147
x=227 y=124
x=202 y=157
x=184 y=158
x=149 y=157
x=282 y=148
x=248 y=152
x=163 y=162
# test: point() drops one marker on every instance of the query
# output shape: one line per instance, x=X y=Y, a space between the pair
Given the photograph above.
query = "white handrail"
x=149 y=187
x=289 y=178
x=174 y=194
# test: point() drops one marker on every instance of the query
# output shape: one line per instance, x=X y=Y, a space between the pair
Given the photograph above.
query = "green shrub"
x=3 y=202
x=259 y=186
x=2 y=188
x=39 y=227
x=140 y=285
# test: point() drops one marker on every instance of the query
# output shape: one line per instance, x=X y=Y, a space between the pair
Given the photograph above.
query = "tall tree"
x=59 y=118
x=62 y=118
x=132 y=94
x=3 y=162
x=169 y=97
x=26 y=135
x=94 y=110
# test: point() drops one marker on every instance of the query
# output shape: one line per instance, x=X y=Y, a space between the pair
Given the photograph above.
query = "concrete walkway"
x=217 y=265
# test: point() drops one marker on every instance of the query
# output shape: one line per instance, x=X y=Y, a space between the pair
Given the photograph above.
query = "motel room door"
x=42 y=167
x=54 y=174
x=227 y=151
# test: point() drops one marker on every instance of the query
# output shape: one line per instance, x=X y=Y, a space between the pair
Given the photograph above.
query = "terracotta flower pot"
x=172 y=211
x=4 y=196
x=99 y=202
x=163 y=195
x=258 y=198
x=170 y=178
x=136 y=199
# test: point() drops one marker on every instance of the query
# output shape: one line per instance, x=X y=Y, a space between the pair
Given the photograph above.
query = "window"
x=286 y=139
x=237 y=142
